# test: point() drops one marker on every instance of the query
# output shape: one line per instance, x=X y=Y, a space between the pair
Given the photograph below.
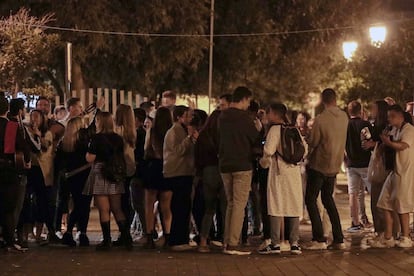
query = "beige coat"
x=178 y=153
x=284 y=183
x=45 y=158
x=327 y=141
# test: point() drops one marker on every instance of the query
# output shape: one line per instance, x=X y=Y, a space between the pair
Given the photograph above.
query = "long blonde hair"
x=125 y=121
x=71 y=135
x=104 y=122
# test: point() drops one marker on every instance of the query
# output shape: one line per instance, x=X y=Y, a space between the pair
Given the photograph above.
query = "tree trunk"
x=78 y=82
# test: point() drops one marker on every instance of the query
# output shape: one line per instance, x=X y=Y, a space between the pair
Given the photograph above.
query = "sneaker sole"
x=270 y=253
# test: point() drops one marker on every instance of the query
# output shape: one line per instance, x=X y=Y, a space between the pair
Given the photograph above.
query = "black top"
x=237 y=136
x=140 y=152
x=105 y=146
x=206 y=151
x=357 y=157
x=21 y=144
x=75 y=159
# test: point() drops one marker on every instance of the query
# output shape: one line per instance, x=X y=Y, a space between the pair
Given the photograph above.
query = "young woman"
x=178 y=173
x=397 y=193
x=69 y=157
x=154 y=184
x=105 y=146
x=284 y=189
x=40 y=176
x=206 y=160
x=125 y=127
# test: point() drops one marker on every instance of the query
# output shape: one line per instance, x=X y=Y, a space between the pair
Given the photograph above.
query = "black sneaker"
x=24 y=245
x=355 y=228
x=270 y=249
x=83 y=240
x=15 y=248
x=118 y=242
x=68 y=240
x=54 y=239
x=295 y=249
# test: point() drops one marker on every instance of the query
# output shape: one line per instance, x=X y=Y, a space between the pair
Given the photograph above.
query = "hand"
x=385 y=139
x=36 y=131
x=367 y=145
x=100 y=103
x=195 y=134
x=28 y=166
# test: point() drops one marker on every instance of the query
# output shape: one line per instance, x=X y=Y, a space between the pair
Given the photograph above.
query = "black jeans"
x=180 y=209
x=9 y=193
x=127 y=203
x=317 y=182
x=263 y=174
x=81 y=203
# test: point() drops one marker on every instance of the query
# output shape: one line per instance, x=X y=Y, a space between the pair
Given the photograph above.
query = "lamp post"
x=378 y=35
x=349 y=48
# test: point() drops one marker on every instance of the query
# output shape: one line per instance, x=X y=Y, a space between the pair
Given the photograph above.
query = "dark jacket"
x=357 y=157
x=140 y=152
x=206 y=151
x=237 y=135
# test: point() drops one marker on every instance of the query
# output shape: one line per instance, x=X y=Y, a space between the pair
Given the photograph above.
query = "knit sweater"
x=178 y=152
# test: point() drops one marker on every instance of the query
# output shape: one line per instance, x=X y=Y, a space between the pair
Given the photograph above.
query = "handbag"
x=377 y=172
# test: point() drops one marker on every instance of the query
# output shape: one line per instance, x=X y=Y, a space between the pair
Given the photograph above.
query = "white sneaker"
x=234 y=250
x=404 y=242
x=314 y=245
x=382 y=242
x=264 y=244
x=217 y=243
x=285 y=246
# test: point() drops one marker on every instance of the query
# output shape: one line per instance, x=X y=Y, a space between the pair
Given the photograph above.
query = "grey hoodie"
x=327 y=141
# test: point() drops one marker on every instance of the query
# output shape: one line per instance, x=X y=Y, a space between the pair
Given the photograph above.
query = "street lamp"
x=377 y=35
x=349 y=49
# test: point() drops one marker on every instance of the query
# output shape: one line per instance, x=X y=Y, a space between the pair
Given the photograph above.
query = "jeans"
x=377 y=213
x=81 y=203
x=263 y=174
x=319 y=183
x=213 y=190
x=180 y=209
x=357 y=182
x=126 y=202
x=198 y=203
x=237 y=186
x=291 y=222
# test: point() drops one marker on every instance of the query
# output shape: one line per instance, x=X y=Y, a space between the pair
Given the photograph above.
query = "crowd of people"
x=194 y=180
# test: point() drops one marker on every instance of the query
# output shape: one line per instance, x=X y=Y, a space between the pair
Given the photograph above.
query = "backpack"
x=293 y=149
x=115 y=168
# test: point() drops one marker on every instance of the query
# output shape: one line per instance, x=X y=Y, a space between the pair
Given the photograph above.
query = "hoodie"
x=237 y=135
x=327 y=141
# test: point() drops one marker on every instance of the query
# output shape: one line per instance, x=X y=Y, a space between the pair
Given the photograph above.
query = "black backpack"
x=293 y=149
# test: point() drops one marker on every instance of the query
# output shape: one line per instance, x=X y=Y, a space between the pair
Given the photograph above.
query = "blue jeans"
x=320 y=183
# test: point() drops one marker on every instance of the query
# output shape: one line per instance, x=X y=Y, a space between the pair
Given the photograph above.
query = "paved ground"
x=59 y=260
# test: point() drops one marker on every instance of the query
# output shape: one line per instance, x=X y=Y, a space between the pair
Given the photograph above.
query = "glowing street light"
x=349 y=49
x=377 y=35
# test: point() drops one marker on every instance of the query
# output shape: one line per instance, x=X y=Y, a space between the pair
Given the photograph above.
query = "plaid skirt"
x=98 y=185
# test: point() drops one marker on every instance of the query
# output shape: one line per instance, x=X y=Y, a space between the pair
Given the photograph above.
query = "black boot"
x=106 y=231
x=166 y=241
x=150 y=241
x=125 y=237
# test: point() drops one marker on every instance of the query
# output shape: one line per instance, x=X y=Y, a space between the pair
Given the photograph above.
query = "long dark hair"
x=381 y=121
x=162 y=123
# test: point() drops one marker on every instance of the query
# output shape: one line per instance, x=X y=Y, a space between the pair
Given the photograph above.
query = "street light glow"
x=377 y=35
x=349 y=49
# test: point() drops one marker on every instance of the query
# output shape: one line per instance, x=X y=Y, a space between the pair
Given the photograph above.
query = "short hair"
x=179 y=111
x=71 y=102
x=58 y=109
x=140 y=114
x=241 y=93
x=354 y=108
x=42 y=98
x=227 y=97
x=328 y=96
x=4 y=105
x=169 y=94
x=16 y=105
x=145 y=105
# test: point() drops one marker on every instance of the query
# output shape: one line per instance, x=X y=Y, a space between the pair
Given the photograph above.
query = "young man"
x=327 y=142
x=168 y=100
x=178 y=173
x=57 y=129
x=74 y=107
x=225 y=101
x=13 y=183
x=237 y=135
x=359 y=131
